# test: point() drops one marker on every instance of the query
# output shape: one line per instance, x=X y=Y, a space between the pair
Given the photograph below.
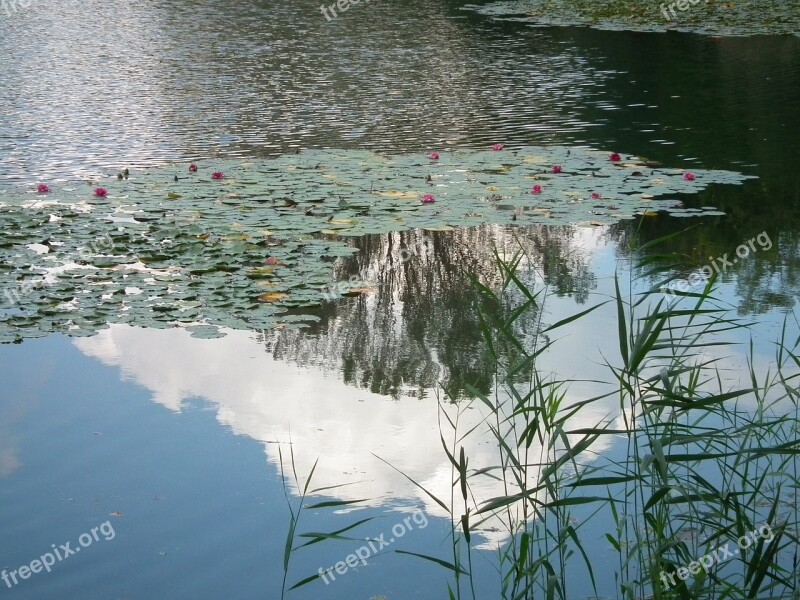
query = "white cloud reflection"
x=273 y=402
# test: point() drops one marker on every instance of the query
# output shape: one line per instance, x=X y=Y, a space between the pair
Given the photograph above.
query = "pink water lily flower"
x=434 y=156
x=556 y=169
x=537 y=189
x=596 y=196
x=101 y=192
x=615 y=157
x=42 y=188
x=428 y=198
x=689 y=176
x=497 y=147
x=217 y=175
x=193 y=168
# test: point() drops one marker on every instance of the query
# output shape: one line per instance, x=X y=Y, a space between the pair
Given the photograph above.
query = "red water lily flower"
x=596 y=196
x=615 y=157
x=537 y=189
x=497 y=147
x=428 y=198
x=689 y=176
x=217 y=175
x=42 y=188
x=556 y=169
x=434 y=156
x=101 y=192
x=193 y=168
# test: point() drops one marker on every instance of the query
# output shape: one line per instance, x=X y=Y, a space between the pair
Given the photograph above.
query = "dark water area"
x=175 y=440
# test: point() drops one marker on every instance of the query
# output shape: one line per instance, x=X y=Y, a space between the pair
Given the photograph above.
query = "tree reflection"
x=416 y=324
x=767 y=278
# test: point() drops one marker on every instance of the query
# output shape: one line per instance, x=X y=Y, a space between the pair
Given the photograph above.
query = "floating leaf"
x=357 y=291
x=395 y=194
x=736 y=17
x=201 y=264
x=261 y=273
x=272 y=297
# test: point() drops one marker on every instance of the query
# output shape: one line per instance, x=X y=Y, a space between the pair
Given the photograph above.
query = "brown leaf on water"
x=360 y=290
x=398 y=194
x=272 y=297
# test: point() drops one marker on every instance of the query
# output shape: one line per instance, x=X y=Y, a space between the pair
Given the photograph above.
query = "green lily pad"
x=243 y=251
x=722 y=17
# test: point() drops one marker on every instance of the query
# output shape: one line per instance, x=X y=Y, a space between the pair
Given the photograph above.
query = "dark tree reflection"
x=415 y=325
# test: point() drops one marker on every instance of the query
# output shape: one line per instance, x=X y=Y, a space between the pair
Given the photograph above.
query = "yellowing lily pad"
x=272 y=297
x=396 y=194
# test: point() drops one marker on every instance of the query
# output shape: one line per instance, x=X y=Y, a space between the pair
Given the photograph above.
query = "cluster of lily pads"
x=245 y=244
x=712 y=17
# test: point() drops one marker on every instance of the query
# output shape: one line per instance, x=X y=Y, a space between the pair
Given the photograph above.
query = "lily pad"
x=243 y=251
x=715 y=17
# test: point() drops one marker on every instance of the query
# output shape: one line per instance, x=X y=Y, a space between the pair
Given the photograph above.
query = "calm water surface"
x=178 y=438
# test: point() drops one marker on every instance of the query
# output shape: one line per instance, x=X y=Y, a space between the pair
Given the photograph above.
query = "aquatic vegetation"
x=497 y=147
x=428 y=198
x=101 y=192
x=689 y=176
x=296 y=510
x=190 y=251
x=734 y=18
x=193 y=168
x=218 y=175
x=434 y=156
x=42 y=188
x=536 y=189
x=706 y=463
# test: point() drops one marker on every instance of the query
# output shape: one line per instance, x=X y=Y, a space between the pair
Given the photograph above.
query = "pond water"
x=174 y=440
